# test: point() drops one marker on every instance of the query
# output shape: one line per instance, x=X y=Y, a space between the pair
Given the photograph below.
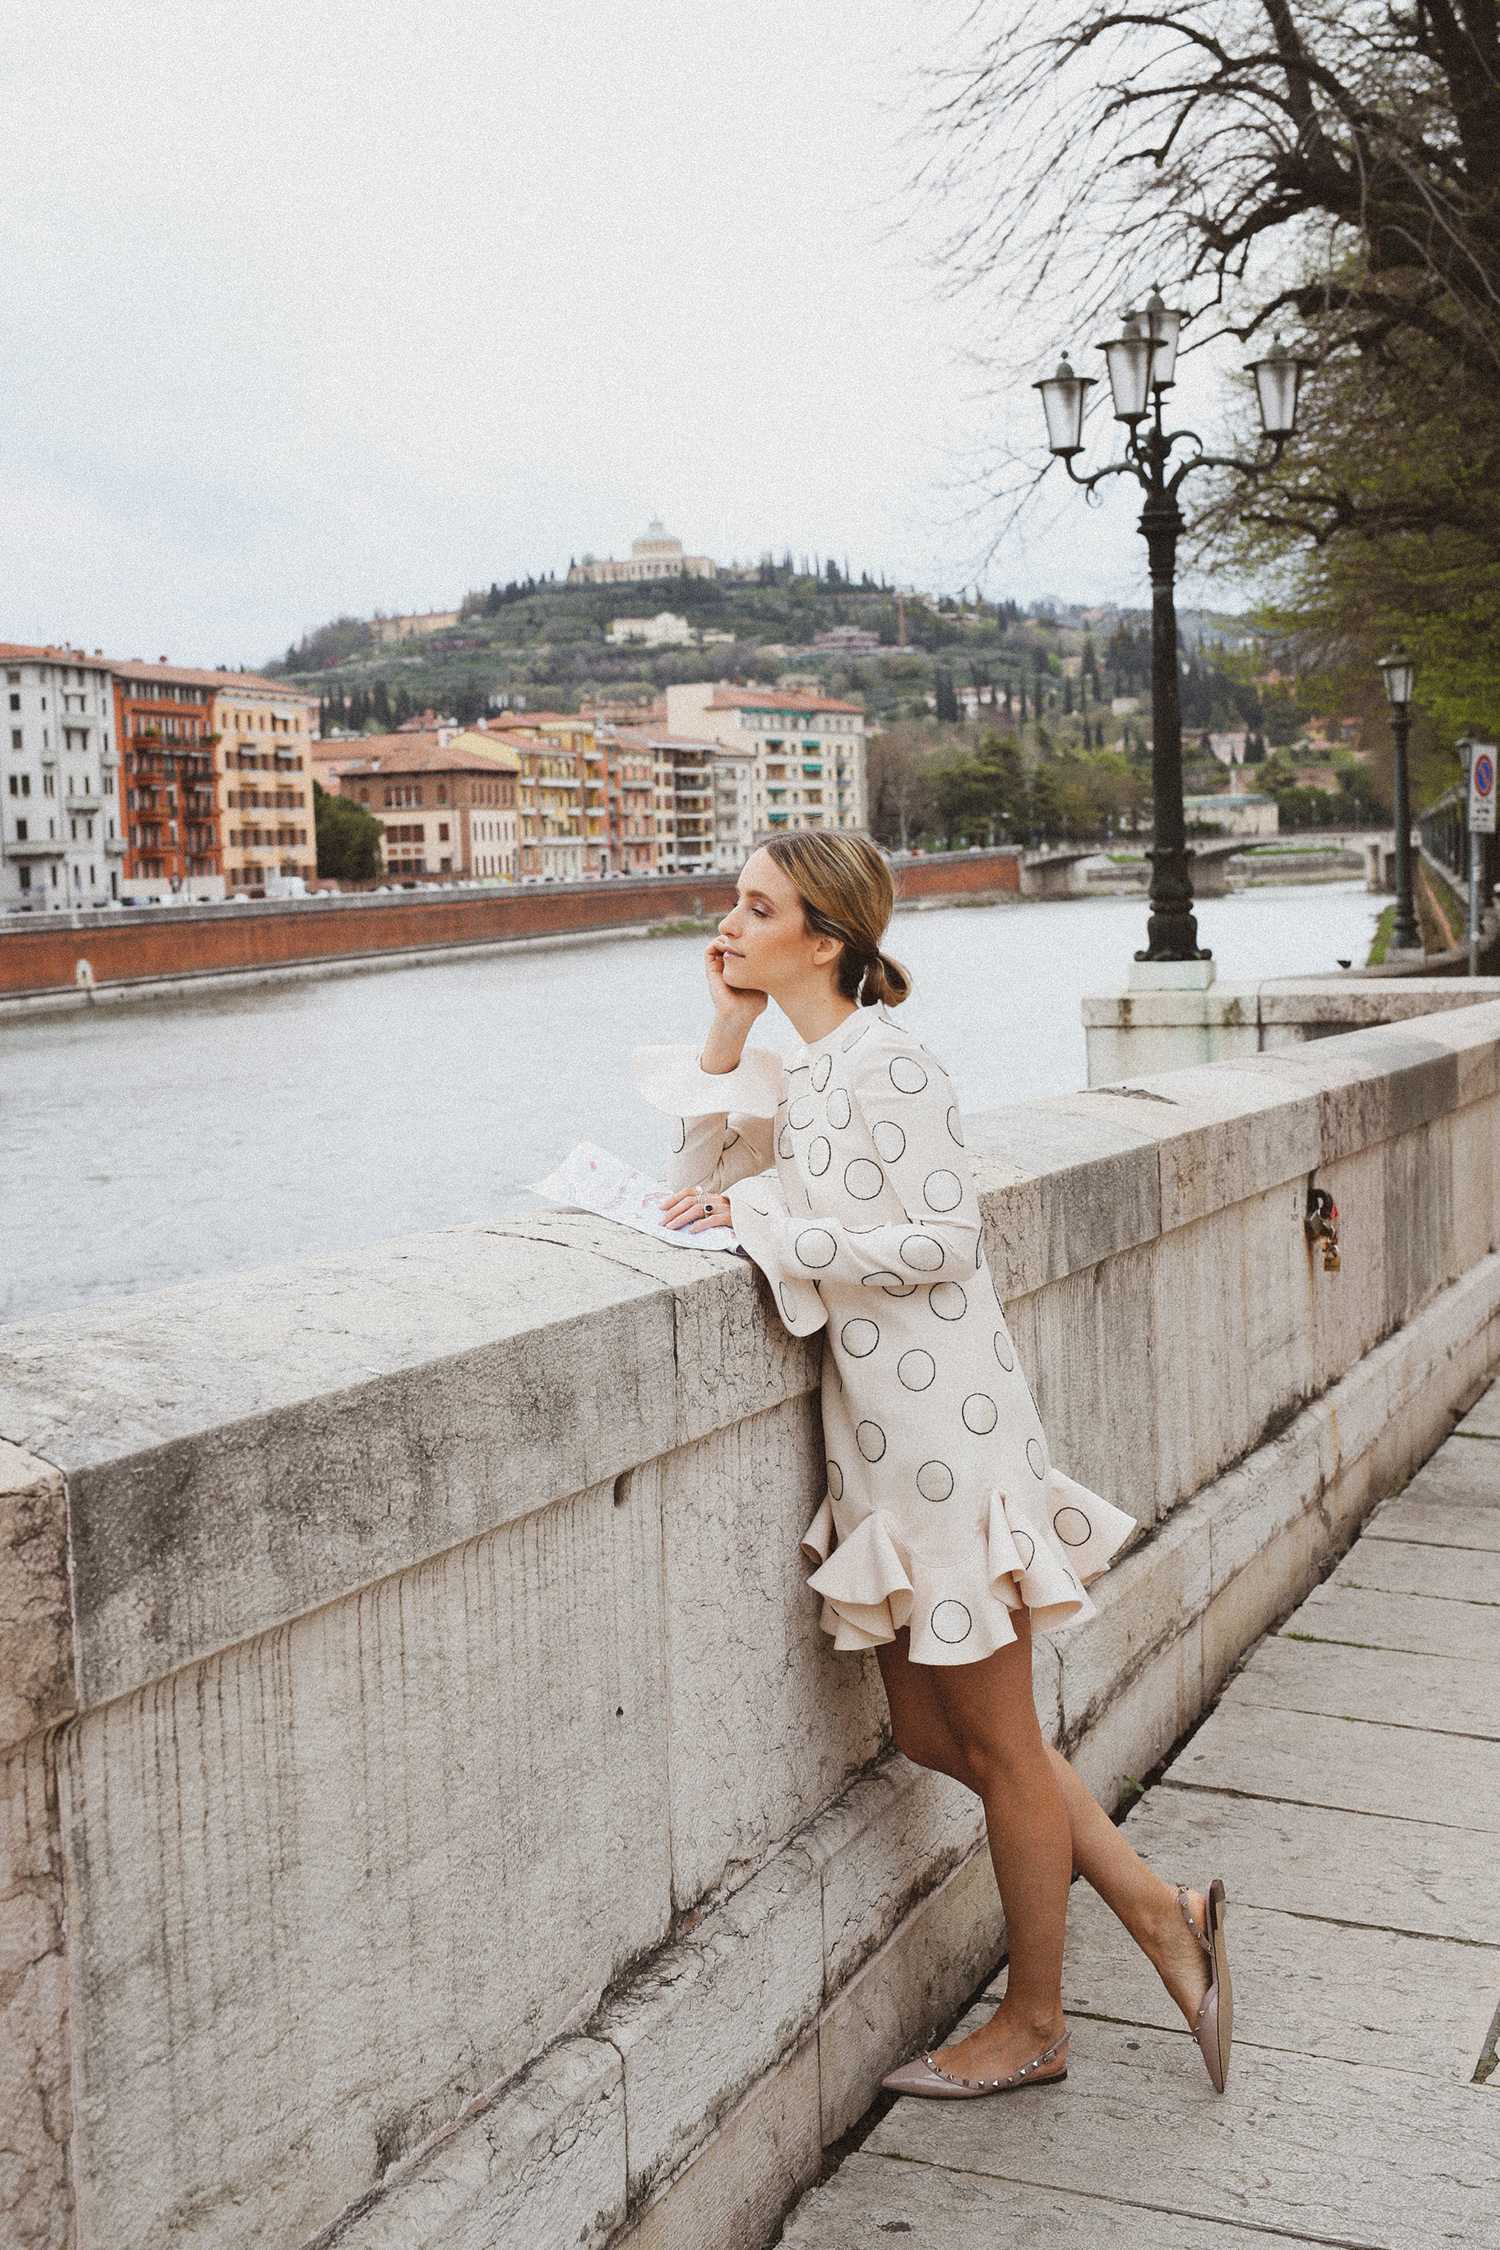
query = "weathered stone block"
x=36 y=1610
x=892 y=1838
x=908 y=1993
x=1092 y=1335
x=238 y=1453
x=741 y=2180
x=1145 y=1604
x=352 y=1873
x=1060 y=1191
x=542 y=2162
x=714 y=2011
x=767 y=1722
x=36 y=2203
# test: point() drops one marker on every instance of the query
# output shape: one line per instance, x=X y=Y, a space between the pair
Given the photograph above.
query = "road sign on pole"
x=1482 y=790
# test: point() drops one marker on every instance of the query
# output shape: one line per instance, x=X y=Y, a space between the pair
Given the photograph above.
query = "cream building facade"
x=656 y=554
x=806 y=751
x=264 y=763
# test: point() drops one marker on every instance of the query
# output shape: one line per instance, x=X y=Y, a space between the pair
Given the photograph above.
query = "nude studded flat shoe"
x=924 y=2079
x=1213 y=2026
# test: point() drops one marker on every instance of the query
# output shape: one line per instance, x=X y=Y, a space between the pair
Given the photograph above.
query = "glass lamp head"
x=1064 y=396
x=1128 y=358
x=1165 y=327
x=1399 y=672
x=1278 y=379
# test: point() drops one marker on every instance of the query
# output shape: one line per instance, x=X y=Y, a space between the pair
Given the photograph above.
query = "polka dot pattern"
x=891 y=1283
x=927 y=1412
x=816 y=1247
x=952 y=1622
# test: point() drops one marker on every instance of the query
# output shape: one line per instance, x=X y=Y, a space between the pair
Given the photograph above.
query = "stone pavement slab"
x=1330 y=1866
x=1424 y=2004
x=1369 y=1683
x=1347 y=1787
x=1398 y=1566
x=1452 y=1781
x=1440 y=1523
x=1327 y=2151
x=1484 y=1416
x=1402 y=1622
x=871 y=2203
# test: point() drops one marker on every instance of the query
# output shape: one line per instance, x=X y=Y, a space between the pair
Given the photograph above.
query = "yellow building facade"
x=263 y=761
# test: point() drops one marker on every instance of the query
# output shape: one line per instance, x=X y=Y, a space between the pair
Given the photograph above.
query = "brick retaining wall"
x=42 y=955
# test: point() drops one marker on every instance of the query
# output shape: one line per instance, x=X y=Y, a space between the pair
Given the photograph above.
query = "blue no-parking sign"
x=1482 y=790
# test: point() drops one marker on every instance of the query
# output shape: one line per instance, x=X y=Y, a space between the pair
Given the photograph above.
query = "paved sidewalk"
x=1348 y=1790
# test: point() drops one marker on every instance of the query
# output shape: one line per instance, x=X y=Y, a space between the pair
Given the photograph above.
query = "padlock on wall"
x=1322 y=1225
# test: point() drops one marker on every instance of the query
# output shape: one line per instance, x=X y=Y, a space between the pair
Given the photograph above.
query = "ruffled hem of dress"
x=671 y=1079
x=959 y=1610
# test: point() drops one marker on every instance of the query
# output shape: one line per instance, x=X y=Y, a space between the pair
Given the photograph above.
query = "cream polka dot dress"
x=851 y=1191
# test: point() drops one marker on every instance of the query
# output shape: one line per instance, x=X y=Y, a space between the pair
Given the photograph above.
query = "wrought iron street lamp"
x=1141 y=363
x=1399 y=673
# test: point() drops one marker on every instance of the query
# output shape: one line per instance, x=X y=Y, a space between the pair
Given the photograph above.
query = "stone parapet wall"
x=1128 y=1033
x=434 y=1816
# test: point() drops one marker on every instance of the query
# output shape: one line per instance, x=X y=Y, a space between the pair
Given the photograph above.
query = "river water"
x=154 y=1144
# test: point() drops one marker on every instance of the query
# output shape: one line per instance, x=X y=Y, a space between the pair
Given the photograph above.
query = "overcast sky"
x=318 y=308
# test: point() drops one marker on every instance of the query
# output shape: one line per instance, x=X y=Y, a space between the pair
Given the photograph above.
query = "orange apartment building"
x=448 y=806
x=215 y=781
x=164 y=726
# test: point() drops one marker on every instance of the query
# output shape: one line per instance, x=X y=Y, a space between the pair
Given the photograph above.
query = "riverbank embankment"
x=84 y=960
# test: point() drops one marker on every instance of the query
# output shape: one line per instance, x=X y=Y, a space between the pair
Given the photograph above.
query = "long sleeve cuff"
x=671 y=1079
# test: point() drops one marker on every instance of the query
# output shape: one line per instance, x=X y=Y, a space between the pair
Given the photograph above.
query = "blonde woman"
x=946 y=1535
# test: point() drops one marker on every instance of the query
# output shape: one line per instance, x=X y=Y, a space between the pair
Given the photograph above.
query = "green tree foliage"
x=947 y=701
x=350 y=840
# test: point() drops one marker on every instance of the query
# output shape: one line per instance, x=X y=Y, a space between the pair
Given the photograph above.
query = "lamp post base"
x=1171 y=976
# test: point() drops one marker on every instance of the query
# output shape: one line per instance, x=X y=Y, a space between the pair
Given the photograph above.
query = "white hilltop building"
x=656 y=554
x=665 y=630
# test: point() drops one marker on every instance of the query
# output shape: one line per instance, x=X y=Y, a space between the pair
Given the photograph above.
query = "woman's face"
x=765 y=943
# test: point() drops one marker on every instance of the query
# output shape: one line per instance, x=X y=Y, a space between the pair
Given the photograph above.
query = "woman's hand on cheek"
x=730 y=1001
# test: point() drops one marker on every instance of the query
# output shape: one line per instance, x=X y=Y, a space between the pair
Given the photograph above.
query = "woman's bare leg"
x=978 y=1722
x=1100 y=1852
x=1146 y=1905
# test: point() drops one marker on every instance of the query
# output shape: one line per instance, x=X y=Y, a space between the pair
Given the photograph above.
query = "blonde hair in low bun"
x=846 y=893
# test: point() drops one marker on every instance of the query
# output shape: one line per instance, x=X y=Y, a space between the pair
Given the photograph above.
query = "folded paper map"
x=593 y=1180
